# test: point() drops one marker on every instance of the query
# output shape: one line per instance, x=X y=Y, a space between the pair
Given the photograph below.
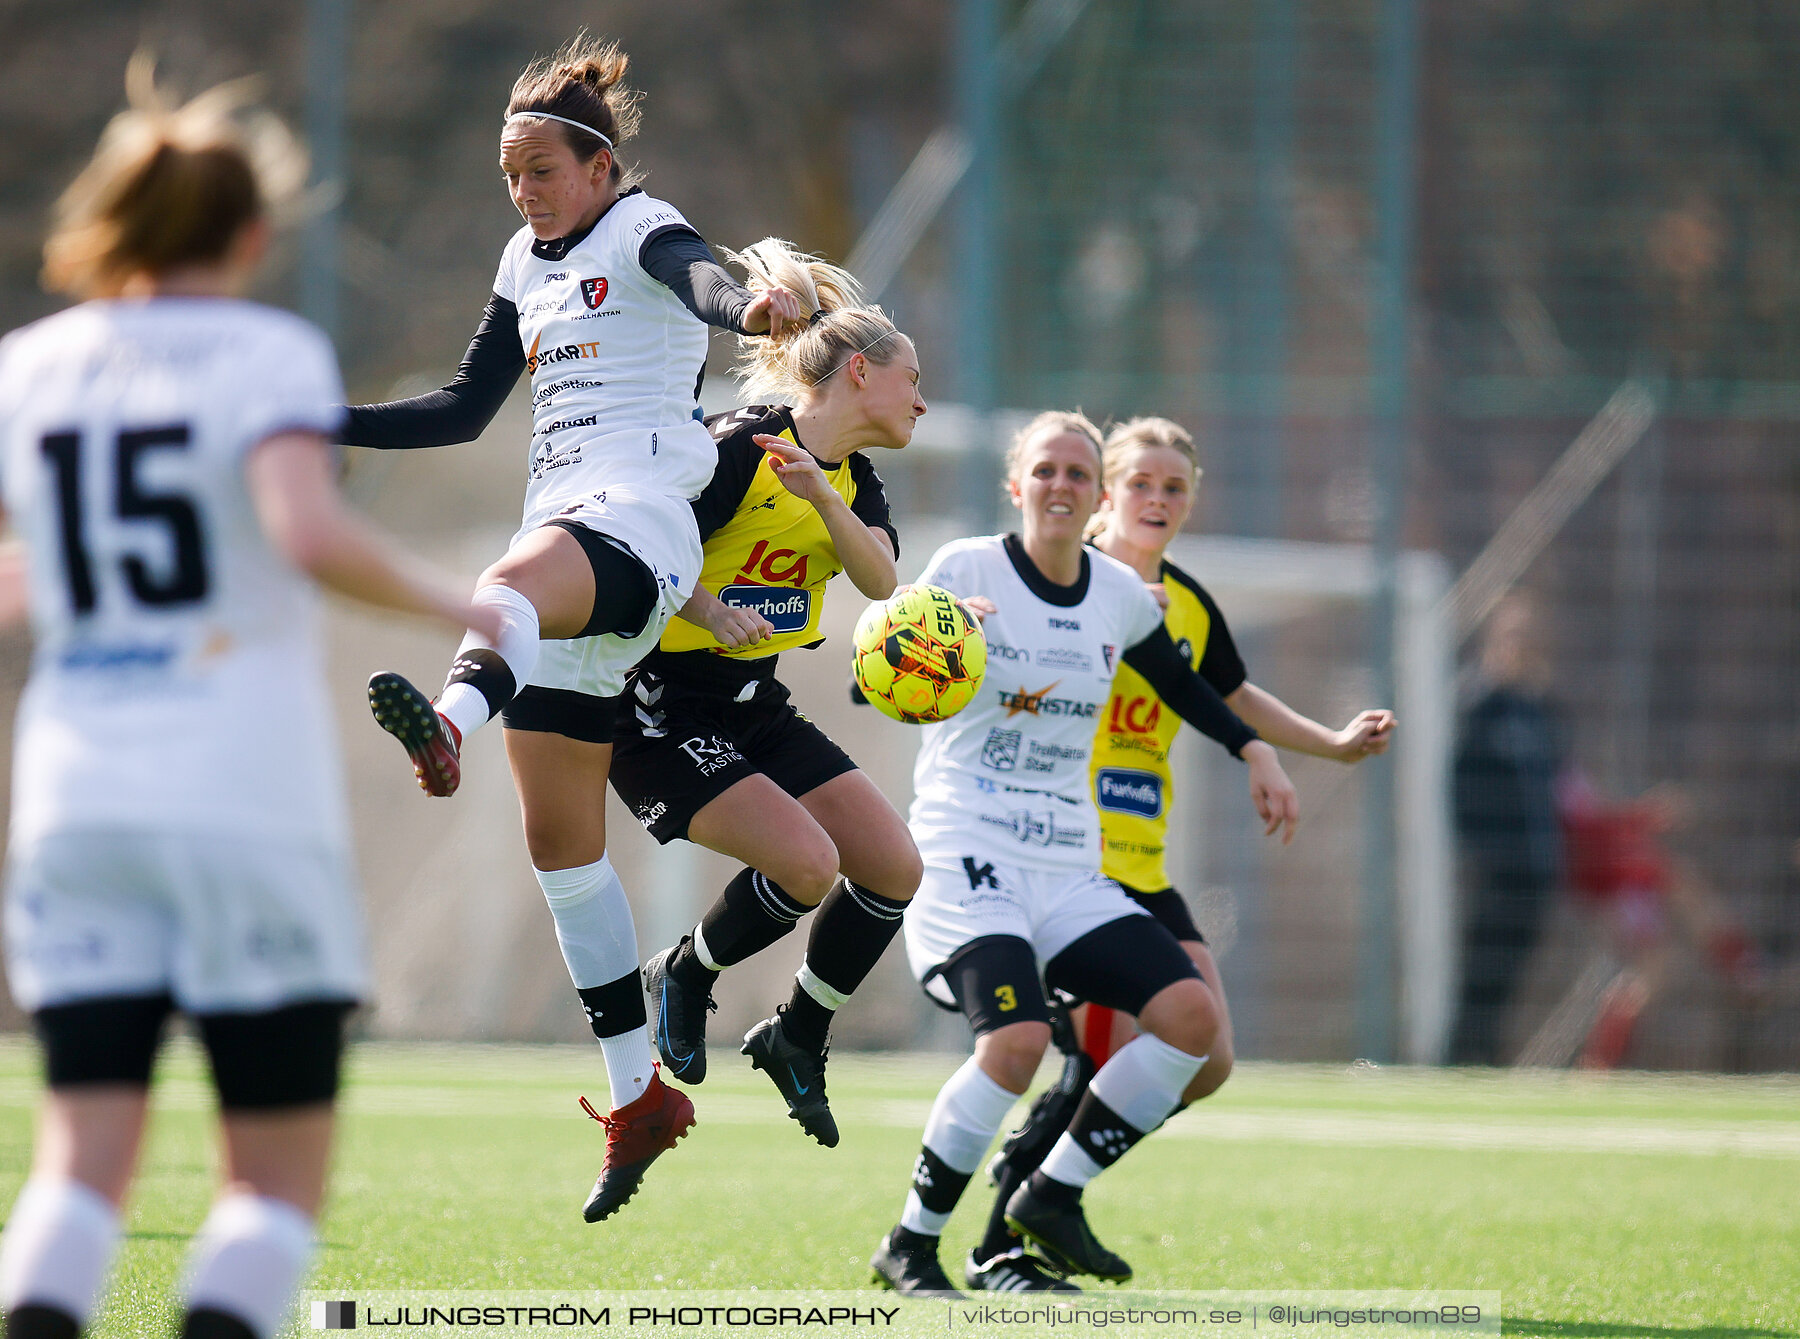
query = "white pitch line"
x=1320 y=1127
x=1362 y=1130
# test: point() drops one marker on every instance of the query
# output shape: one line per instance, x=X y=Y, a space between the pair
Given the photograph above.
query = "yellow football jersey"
x=765 y=549
x=1133 y=783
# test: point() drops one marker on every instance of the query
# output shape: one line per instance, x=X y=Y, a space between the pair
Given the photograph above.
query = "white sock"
x=463 y=704
x=599 y=945
x=1069 y=1163
x=823 y=994
x=248 y=1259
x=968 y=1113
x=1142 y=1084
x=59 y=1241
x=1144 y=1080
x=702 y=952
x=630 y=1063
x=593 y=922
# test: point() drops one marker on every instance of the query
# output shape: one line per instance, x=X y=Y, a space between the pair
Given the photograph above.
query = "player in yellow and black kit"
x=1151 y=471
x=711 y=749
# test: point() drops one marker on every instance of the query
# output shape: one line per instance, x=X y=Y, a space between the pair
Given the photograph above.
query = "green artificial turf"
x=1597 y=1206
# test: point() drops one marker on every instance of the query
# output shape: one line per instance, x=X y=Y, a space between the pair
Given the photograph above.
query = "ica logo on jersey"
x=1135 y=716
x=774 y=567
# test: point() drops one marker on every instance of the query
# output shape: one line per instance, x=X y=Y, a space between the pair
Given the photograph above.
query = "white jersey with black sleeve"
x=1008 y=775
x=614 y=360
x=177 y=684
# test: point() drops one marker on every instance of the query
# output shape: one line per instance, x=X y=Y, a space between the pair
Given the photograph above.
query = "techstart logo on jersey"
x=562 y=353
x=1041 y=703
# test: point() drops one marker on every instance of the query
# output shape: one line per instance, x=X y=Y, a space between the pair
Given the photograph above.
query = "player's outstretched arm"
x=1369 y=732
x=729 y=625
x=458 y=412
x=291 y=485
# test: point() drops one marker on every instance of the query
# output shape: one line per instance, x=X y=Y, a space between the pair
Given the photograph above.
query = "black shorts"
x=994 y=981
x=289 y=1056
x=1123 y=965
x=562 y=711
x=692 y=725
x=1171 y=908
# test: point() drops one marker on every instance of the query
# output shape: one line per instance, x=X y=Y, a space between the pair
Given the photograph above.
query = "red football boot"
x=431 y=741
x=636 y=1135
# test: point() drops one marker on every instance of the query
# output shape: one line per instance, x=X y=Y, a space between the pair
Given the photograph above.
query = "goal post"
x=1262 y=585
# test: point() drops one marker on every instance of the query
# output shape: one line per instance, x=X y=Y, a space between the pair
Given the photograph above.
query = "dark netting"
x=1602 y=191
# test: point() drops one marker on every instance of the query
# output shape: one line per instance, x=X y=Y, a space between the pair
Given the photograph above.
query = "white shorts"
x=975 y=897
x=223 y=924
x=656 y=528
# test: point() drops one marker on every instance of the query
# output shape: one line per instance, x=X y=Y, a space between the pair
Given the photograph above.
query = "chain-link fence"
x=1205 y=210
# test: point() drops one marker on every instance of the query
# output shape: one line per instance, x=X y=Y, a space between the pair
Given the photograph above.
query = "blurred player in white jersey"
x=603 y=298
x=1013 y=899
x=179 y=837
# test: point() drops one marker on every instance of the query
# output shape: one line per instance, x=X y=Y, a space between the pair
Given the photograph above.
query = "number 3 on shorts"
x=1008 y=997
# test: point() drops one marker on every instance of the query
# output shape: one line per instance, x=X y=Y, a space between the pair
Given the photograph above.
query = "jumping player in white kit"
x=179 y=837
x=603 y=299
x=1013 y=899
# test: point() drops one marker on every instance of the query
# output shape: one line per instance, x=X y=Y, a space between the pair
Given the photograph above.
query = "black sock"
x=616 y=1007
x=1054 y=1192
x=1102 y=1133
x=998 y=1239
x=805 y=1020
x=33 y=1321
x=205 y=1323
x=852 y=930
x=752 y=913
x=904 y=1238
x=1050 y=1114
x=487 y=673
x=938 y=1184
x=687 y=971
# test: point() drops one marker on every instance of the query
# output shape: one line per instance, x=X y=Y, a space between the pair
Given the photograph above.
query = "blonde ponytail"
x=786 y=366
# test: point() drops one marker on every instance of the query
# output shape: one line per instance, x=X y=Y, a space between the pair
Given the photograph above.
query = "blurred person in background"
x=179 y=838
x=1151 y=480
x=711 y=748
x=1645 y=898
x=603 y=298
x=1510 y=750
